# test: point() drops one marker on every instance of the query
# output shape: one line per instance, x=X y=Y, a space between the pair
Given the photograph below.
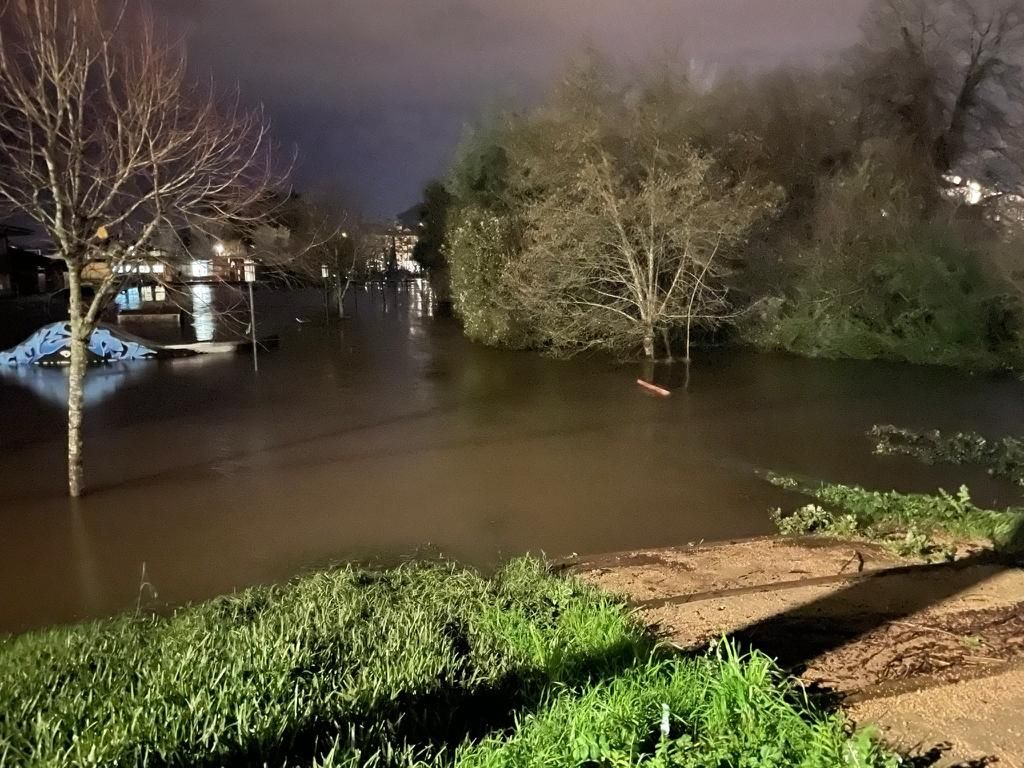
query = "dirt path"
x=932 y=654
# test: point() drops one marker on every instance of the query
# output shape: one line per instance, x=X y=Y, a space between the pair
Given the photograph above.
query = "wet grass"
x=418 y=665
x=929 y=525
x=911 y=524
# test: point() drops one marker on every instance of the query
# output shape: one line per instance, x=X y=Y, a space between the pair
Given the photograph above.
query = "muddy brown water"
x=390 y=435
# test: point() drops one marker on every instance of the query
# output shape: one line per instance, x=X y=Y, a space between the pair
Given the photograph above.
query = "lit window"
x=158 y=269
x=200 y=268
x=143 y=269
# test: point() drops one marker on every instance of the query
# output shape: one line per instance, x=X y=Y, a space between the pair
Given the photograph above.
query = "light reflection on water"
x=204 y=320
x=207 y=306
x=135 y=297
x=50 y=383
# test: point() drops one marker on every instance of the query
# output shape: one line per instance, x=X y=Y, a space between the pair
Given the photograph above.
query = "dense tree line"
x=869 y=209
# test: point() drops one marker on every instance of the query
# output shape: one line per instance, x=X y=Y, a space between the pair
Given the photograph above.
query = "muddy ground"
x=932 y=654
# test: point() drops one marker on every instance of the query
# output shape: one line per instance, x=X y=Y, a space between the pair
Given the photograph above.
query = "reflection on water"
x=50 y=383
x=209 y=308
x=203 y=318
x=389 y=432
x=135 y=297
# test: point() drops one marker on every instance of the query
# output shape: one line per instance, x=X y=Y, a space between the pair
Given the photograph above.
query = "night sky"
x=376 y=93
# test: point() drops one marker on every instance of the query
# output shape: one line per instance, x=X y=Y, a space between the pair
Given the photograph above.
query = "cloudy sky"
x=376 y=93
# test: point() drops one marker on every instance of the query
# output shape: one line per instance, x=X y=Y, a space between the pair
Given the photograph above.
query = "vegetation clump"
x=917 y=294
x=911 y=524
x=426 y=665
x=1002 y=458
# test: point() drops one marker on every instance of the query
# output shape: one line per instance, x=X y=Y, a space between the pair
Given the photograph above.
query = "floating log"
x=653 y=388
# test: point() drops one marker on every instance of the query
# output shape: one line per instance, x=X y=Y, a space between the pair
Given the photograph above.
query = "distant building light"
x=158 y=269
x=144 y=269
x=200 y=268
x=249 y=269
x=218 y=248
x=974 y=193
x=324 y=271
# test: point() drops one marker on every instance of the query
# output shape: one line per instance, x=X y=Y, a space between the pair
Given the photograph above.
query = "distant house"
x=392 y=246
x=190 y=256
x=25 y=271
x=998 y=205
x=6 y=258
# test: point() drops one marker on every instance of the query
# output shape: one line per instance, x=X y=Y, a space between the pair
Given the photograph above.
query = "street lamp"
x=325 y=273
x=249 y=270
x=218 y=248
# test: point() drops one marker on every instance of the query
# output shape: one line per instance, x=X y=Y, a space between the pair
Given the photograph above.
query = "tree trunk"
x=76 y=383
x=340 y=290
x=668 y=344
x=686 y=359
x=649 y=344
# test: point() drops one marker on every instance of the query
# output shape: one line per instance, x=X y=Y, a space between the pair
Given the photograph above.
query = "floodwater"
x=390 y=435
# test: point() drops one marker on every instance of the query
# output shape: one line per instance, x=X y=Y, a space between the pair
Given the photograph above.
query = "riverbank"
x=928 y=652
x=417 y=665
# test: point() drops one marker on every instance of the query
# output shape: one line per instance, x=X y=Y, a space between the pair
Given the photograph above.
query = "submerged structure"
x=51 y=345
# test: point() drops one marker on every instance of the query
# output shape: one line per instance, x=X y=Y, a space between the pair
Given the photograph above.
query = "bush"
x=813 y=519
x=479 y=250
x=922 y=299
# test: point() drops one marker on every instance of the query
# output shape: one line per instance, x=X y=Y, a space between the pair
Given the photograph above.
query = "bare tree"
x=948 y=74
x=628 y=225
x=614 y=260
x=323 y=240
x=353 y=252
x=105 y=140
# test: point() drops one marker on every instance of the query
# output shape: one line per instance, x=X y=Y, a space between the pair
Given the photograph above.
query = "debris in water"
x=653 y=388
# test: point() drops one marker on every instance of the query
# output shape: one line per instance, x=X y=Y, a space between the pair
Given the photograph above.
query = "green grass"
x=917 y=524
x=418 y=665
x=721 y=710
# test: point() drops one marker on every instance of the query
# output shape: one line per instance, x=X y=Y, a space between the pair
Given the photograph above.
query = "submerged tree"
x=629 y=227
x=629 y=253
x=483 y=239
x=105 y=142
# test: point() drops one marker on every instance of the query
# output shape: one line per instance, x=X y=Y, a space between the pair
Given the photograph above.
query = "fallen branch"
x=654 y=388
